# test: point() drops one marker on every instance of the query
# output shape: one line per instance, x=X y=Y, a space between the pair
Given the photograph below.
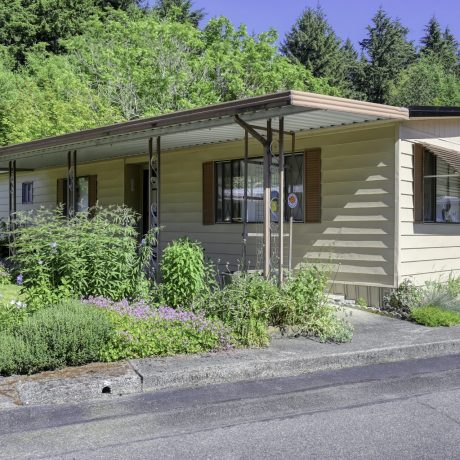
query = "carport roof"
x=207 y=125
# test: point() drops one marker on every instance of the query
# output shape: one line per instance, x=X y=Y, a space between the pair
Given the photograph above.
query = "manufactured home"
x=268 y=182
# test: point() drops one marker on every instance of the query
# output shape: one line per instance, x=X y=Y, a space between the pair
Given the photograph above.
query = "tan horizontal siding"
x=109 y=177
x=427 y=251
x=357 y=230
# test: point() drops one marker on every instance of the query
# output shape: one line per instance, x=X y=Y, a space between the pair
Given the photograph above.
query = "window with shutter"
x=86 y=192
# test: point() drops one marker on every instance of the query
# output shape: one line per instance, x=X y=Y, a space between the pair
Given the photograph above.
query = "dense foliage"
x=389 y=69
x=89 y=63
x=67 y=334
x=124 y=65
x=142 y=330
x=58 y=258
x=183 y=272
x=433 y=316
x=250 y=303
x=435 y=304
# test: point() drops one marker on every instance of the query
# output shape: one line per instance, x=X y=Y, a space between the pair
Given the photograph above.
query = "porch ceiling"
x=209 y=125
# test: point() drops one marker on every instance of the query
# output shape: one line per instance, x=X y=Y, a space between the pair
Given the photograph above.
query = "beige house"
x=374 y=189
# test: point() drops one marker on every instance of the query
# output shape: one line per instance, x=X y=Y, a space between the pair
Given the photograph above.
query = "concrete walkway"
x=377 y=339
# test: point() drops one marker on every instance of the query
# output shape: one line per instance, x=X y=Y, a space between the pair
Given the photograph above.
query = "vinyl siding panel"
x=427 y=251
x=110 y=187
x=356 y=234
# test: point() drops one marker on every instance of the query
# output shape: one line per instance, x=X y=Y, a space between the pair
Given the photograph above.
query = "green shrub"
x=361 y=302
x=93 y=253
x=245 y=306
x=433 y=316
x=5 y=277
x=183 y=272
x=403 y=299
x=67 y=334
x=303 y=293
x=304 y=305
x=443 y=295
x=14 y=355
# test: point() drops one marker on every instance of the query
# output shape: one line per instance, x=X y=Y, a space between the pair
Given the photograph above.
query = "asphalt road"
x=407 y=410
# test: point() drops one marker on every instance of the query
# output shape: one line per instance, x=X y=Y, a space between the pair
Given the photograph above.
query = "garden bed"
x=84 y=295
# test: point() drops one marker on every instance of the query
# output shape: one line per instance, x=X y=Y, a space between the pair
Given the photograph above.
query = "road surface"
x=407 y=410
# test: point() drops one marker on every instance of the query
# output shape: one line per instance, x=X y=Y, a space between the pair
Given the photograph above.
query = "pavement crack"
x=439 y=411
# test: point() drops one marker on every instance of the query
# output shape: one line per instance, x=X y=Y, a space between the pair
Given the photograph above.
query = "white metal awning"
x=209 y=125
x=450 y=155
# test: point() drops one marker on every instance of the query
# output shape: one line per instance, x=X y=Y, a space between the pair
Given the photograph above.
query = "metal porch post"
x=245 y=200
x=267 y=199
x=281 y=200
x=71 y=183
x=154 y=201
x=12 y=200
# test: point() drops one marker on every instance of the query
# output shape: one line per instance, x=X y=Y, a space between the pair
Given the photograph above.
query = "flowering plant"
x=148 y=331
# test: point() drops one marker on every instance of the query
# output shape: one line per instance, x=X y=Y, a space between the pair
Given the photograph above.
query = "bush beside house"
x=85 y=296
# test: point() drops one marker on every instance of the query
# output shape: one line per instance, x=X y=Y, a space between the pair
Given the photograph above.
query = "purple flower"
x=19 y=280
x=141 y=310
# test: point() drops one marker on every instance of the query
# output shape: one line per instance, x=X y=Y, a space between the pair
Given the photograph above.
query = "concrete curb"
x=107 y=381
x=239 y=370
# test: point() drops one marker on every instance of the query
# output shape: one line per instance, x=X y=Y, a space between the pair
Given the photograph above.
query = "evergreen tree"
x=313 y=43
x=442 y=45
x=179 y=10
x=387 y=52
x=352 y=68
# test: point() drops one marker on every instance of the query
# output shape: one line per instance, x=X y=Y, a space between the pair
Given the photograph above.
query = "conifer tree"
x=313 y=42
x=387 y=52
x=179 y=10
x=442 y=46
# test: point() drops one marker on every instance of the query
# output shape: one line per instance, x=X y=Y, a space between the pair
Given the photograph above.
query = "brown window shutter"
x=92 y=191
x=208 y=193
x=61 y=196
x=418 y=183
x=312 y=185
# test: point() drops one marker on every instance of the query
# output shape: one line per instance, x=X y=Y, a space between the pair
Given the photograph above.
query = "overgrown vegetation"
x=89 y=255
x=65 y=334
x=84 y=296
x=250 y=303
x=434 y=316
x=435 y=304
x=183 y=273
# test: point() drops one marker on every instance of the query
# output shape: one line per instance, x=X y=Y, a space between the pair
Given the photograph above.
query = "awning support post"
x=11 y=201
x=281 y=200
x=267 y=144
x=71 y=183
x=245 y=202
x=154 y=202
x=267 y=199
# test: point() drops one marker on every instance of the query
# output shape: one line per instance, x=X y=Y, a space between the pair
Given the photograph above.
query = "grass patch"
x=434 y=316
x=9 y=292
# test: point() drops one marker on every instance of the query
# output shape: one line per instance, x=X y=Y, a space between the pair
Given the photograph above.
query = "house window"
x=230 y=189
x=82 y=189
x=27 y=192
x=441 y=190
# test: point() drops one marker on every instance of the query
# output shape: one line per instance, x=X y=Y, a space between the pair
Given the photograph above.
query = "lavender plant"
x=143 y=331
